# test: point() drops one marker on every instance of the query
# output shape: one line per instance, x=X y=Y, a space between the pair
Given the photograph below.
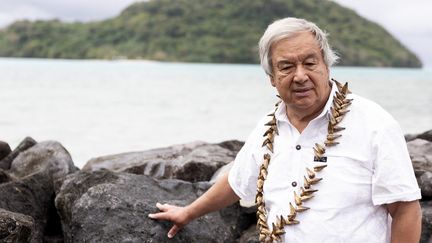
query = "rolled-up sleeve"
x=393 y=179
x=244 y=172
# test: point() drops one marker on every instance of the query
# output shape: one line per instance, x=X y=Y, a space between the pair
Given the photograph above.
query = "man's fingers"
x=159 y=216
x=163 y=207
x=169 y=213
x=164 y=214
x=173 y=231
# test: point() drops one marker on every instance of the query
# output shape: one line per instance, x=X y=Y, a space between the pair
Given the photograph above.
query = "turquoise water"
x=96 y=108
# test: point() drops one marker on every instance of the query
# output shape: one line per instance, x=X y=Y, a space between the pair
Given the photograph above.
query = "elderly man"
x=325 y=165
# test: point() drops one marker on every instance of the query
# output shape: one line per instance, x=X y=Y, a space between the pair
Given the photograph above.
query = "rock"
x=420 y=151
x=190 y=162
x=31 y=196
x=410 y=137
x=48 y=156
x=426 y=136
x=104 y=206
x=4 y=176
x=15 y=227
x=221 y=171
x=232 y=145
x=426 y=235
x=34 y=177
x=4 y=150
x=425 y=183
x=201 y=163
x=125 y=161
x=23 y=146
x=250 y=235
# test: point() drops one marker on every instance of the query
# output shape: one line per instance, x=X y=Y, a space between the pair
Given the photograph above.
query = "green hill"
x=202 y=31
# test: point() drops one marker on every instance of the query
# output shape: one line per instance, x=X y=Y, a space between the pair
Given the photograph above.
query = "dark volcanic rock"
x=4 y=176
x=221 y=171
x=31 y=196
x=28 y=142
x=232 y=145
x=426 y=235
x=4 y=150
x=410 y=137
x=190 y=162
x=250 y=235
x=420 y=151
x=426 y=136
x=15 y=227
x=48 y=156
x=425 y=182
x=34 y=177
x=104 y=206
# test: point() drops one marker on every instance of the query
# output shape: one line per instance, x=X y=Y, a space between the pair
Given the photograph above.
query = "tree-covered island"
x=221 y=31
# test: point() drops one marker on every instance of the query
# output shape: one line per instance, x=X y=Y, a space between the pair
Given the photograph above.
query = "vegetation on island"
x=221 y=31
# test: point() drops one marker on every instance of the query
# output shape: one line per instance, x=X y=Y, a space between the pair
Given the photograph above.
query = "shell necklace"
x=338 y=111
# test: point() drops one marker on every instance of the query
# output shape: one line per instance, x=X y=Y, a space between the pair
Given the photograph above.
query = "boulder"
x=425 y=183
x=232 y=145
x=28 y=142
x=250 y=235
x=426 y=235
x=410 y=137
x=30 y=196
x=15 y=227
x=4 y=176
x=191 y=162
x=4 y=150
x=420 y=151
x=104 y=206
x=221 y=171
x=33 y=179
x=426 y=136
x=48 y=156
x=140 y=160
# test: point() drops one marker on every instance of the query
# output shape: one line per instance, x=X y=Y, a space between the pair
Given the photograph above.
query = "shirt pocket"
x=345 y=182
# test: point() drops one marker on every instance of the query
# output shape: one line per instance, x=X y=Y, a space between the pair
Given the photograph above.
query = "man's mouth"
x=302 y=91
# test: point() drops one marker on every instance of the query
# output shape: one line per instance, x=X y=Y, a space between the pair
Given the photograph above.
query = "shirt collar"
x=280 y=113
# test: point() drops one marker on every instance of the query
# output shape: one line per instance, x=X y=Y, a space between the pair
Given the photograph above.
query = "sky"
x=409 y=21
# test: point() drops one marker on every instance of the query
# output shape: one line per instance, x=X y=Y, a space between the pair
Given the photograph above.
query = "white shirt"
x=370 y=167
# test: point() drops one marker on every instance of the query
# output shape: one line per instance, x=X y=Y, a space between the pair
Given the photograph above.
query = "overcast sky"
x=409 y=21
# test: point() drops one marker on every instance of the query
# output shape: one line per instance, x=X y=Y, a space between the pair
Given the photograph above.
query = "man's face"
x=299 y=72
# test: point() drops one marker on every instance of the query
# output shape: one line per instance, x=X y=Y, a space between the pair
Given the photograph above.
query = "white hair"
x=287 y=27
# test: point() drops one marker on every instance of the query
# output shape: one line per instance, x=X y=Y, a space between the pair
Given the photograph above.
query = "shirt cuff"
x=237 y=191
x=401 y=197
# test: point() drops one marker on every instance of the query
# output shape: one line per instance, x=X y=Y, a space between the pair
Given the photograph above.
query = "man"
x=331 y=166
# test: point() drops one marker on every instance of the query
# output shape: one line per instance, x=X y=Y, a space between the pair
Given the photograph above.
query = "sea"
x=101 y=107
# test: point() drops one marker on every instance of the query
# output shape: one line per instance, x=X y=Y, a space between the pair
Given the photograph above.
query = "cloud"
x=66 y=10
x=10 y=13
x=399 y=16
x=408 y=21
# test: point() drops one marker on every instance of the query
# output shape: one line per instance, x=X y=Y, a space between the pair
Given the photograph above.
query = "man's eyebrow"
x=290 y=60
x=309 y=55
x=283 y=62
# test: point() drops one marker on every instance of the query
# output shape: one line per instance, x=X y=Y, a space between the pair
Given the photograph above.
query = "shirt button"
x=298 y=147
x=294 y=184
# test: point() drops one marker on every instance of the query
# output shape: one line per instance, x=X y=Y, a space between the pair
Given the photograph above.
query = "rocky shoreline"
x=45 y=198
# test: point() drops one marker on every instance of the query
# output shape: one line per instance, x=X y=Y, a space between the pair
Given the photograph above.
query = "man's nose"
x=300 y=74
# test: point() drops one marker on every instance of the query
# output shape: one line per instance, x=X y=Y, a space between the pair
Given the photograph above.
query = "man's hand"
x=218 y=196
x=178 y=215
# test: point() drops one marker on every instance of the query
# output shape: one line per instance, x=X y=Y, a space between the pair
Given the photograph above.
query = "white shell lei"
x=338 y=111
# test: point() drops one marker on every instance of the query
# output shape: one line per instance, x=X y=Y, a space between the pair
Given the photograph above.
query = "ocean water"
x=96 y=108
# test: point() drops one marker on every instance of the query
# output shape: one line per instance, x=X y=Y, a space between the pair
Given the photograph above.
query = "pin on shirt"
x=320 y=159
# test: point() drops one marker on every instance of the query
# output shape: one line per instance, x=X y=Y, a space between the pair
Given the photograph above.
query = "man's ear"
x=272 y=80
